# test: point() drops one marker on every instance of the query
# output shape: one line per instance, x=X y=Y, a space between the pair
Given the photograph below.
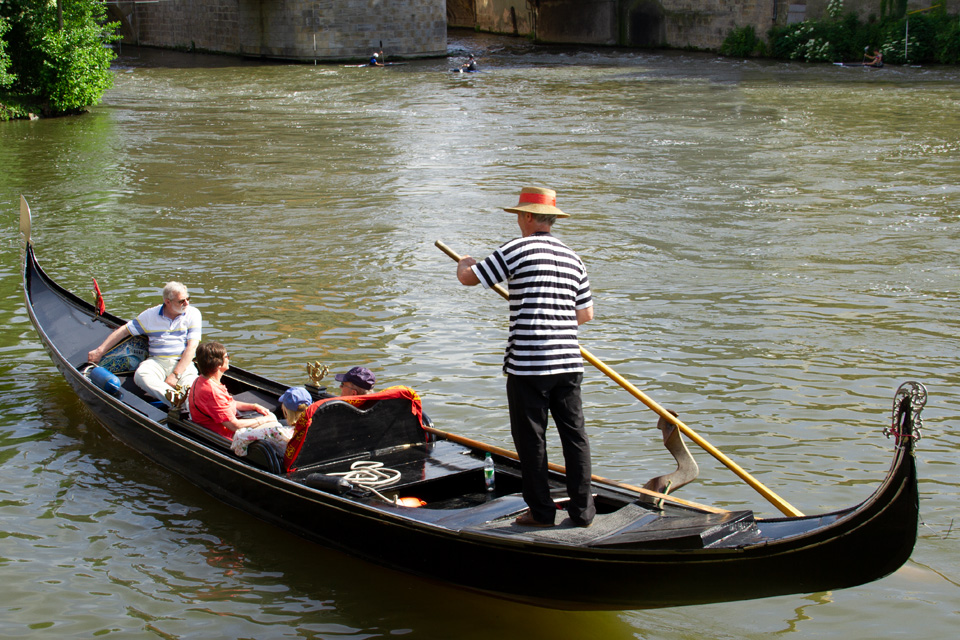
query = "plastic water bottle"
x=488 y=478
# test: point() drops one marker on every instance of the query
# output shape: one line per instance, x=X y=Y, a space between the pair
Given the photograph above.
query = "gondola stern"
x=25 y=222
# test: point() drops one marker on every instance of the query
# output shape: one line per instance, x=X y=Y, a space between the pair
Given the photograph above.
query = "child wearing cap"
x=294 y=402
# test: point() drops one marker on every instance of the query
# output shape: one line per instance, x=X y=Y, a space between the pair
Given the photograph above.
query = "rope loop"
x=369 y=473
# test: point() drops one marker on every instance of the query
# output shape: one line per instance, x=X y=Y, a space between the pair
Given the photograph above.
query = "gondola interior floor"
x=634 y=526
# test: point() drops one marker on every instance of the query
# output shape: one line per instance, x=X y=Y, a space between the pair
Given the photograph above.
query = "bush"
x=933 y=37
x=806 y=41
x=66 y=69
x=948 y=42
x=740 y=43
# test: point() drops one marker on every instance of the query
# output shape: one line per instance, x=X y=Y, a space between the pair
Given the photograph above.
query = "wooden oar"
x=785 y=507
x=482 y=446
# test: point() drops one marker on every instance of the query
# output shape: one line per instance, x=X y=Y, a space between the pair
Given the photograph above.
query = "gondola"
x=435 y=518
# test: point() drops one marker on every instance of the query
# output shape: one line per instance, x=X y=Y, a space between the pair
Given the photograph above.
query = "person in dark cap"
x=358 y=381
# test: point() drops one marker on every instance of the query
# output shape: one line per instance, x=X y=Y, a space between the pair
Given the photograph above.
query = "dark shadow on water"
x=131 y=56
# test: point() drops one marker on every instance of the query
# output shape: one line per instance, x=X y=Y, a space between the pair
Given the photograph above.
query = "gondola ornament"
x=177 y=395
x=908 y=403
x=98 y=298
x=316 y=372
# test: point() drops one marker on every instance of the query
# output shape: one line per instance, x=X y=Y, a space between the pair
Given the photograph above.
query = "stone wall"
x=816 y=9
x=578 y=21
x=207 y=25
x=698 y=24
x=460 y=13
x=505 y=16
x=704 y=24
x=291 y=29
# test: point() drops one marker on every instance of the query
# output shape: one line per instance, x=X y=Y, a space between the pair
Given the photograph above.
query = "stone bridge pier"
x=302 y=30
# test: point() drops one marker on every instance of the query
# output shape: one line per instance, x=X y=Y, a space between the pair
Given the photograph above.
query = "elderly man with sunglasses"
x=173 y=329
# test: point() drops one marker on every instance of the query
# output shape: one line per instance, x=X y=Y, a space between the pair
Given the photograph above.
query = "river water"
x=772 y=248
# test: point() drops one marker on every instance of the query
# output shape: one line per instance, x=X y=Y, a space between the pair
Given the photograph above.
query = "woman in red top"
x=212 y=406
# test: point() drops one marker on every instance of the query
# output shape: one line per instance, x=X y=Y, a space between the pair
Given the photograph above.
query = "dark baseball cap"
x=360 y=376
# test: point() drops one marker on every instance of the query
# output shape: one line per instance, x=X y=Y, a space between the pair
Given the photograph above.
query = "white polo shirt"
x=168 y=338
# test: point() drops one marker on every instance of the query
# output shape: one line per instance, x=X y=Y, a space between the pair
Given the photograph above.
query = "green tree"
x=6 y=78
x=57 y=51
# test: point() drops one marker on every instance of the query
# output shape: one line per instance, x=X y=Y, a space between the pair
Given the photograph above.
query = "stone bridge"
x=302 y=30
x=326 y=30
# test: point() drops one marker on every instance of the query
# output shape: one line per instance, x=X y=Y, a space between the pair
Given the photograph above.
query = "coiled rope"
x=370 y=474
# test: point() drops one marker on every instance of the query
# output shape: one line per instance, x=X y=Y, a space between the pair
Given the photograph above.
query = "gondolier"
x=549 y=298
x=173 y=329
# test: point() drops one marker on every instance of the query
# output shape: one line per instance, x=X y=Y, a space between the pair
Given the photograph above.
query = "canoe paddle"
x=785 y=507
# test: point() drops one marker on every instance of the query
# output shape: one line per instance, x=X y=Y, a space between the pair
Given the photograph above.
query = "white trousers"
x=152 y=373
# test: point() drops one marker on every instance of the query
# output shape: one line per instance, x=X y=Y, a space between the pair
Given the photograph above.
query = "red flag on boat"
x=101 y=307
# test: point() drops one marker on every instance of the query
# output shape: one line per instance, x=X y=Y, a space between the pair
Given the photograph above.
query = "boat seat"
x=263 y=455
x=339 y=430
x=437 y=472
x=698 y=531
x=259 y=453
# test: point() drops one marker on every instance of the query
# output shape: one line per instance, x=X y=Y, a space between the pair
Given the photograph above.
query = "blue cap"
x=293 y=397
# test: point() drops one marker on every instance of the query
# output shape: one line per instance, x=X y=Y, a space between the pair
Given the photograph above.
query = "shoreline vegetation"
x=55 y=59
x=924 y=36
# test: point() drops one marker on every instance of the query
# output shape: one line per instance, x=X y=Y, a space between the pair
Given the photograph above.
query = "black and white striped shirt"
x=548 y=284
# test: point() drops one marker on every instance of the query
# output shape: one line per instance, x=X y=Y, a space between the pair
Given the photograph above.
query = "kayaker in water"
x=876 y=60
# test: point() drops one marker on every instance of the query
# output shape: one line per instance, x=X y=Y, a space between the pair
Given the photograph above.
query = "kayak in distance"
x=367 y=64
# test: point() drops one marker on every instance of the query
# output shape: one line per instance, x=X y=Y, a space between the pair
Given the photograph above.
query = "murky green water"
x=773 y=250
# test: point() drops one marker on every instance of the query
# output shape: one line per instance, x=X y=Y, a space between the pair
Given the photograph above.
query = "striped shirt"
x=167 y=337
x=548 y=284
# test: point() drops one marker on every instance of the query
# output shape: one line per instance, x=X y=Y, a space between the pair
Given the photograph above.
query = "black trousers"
x=530 y=398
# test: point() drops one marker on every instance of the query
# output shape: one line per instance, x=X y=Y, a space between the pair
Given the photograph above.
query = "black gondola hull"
x=789 y=555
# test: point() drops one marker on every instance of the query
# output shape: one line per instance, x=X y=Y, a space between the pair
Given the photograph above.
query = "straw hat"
x=537 y=200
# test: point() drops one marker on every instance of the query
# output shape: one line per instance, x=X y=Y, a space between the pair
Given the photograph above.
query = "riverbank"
x=13 y=107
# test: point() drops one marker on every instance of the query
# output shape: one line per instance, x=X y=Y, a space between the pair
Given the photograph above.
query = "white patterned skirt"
x=275 y=434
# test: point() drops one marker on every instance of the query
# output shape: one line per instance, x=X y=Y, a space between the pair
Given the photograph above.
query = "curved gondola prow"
x=897 y=500
x=886 y=523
